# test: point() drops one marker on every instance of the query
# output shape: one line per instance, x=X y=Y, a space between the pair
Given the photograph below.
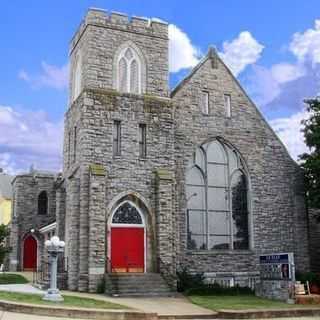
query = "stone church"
x=155 y=180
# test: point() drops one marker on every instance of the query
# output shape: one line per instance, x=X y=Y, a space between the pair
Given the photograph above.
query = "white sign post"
x=54 y=246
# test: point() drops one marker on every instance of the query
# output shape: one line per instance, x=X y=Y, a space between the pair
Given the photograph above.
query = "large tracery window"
x=217 y=206
x=129 y=71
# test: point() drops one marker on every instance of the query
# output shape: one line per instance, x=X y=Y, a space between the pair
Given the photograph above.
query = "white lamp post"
x=54 y=246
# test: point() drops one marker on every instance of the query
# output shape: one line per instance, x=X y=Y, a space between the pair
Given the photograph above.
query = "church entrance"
x=30 y=253
x=127 y=240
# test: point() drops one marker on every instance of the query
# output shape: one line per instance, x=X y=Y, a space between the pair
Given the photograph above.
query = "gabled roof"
x=211 y=54
x=5 y=186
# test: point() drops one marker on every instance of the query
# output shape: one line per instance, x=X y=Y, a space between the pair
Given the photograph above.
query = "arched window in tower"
x=129 y=69
x=217 y=199
x=76 y=78
x=43 y=203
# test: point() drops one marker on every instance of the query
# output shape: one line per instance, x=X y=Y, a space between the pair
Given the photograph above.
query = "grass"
x=69 y=301
x=10 y=278
x=240 y=302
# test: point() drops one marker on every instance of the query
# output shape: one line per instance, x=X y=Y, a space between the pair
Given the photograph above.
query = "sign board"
x=278 y=266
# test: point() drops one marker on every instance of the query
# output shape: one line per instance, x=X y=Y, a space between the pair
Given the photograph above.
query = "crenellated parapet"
x=119 y=21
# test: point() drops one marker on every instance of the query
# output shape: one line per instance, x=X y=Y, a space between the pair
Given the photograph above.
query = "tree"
x=4 y=249
x=311 y=160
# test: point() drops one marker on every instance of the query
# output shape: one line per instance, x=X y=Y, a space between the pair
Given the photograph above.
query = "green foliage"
x=11 y=278
x=311 y=160
x=239 y=302
x=101 y=286
x=69 y=301
x=311 y=277
x=217 y=290
x=4 y=249
x=188 y=280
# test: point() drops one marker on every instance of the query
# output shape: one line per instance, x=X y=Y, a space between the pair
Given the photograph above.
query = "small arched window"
x=217 y=193
x=43 y=203
x=129 y=71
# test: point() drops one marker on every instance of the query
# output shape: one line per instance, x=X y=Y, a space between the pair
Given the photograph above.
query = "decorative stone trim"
x=164 y=174
x=97 y=169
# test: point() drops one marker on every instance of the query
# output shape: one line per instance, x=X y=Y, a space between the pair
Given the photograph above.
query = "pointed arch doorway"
x=128 y=239
x=30 y=252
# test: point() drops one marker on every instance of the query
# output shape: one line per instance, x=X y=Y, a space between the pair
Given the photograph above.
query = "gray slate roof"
x=5 y=186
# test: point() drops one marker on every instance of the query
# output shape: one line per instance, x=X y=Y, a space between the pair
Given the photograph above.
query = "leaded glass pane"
x=123 y=80
x=219 y=242
x=196 y=197
x=128 y=54
x=216 y=153
x=194 y=177
x=200 y=159
x=196 y=221
x=217 y=175
x=233 y=160
x=217 y=199
x=134 y=77
x=196 y=242
x=196 y=230
x=218 y=223
x=239 y=211
x=127 y=214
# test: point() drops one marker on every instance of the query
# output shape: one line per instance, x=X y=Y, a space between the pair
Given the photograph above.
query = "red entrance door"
x=127 y=249
x=30 y=253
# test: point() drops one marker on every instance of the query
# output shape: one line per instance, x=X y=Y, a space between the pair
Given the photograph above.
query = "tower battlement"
x=119 y=21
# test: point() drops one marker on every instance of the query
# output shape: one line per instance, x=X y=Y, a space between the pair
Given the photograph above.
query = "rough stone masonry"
x=96 y=182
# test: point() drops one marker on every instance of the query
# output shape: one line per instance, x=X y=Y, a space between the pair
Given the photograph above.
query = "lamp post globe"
x=54 y=247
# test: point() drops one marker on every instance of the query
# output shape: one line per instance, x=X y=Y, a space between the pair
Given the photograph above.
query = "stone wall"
x=27 y=187
x=278 y=221
x=99 y=37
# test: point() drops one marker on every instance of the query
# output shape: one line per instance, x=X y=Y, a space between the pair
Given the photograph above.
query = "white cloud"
x=29 y=138
x=182 y=53
x=307 y=44
x=289 y=131
x=285 y=72
x=297 y=80
x=51 y=76
x=241 y=52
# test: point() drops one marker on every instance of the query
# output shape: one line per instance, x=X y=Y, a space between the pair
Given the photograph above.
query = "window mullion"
x=128 y=75
x=206 y=201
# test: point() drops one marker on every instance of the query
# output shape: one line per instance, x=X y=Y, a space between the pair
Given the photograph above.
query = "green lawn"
x=239 y=302
x=70 y=301
x=10 y=278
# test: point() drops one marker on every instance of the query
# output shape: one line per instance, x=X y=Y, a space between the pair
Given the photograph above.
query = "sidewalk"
x=22 y=288
x=160 y=305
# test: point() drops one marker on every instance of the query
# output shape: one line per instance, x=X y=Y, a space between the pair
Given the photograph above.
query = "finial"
x=212 y=54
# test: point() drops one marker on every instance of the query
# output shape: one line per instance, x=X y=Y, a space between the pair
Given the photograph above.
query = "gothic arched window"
x=43 y=203
x=127 y=214
x=216 y=193
x=129 y=71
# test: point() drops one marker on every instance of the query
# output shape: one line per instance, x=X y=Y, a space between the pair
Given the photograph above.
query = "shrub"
x=216 y=289
x=188 y=280
x=311 y=277
x=101 y=287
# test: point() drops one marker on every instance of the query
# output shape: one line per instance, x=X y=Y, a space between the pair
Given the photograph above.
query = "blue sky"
x=273 y=47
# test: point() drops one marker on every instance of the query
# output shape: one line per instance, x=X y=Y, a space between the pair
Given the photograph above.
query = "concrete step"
x=147 y=284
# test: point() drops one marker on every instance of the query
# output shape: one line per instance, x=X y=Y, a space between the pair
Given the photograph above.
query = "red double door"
x=30 y=253
x=127 y=249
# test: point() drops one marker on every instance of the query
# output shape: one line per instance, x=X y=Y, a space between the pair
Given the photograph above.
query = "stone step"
x=146 y=284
